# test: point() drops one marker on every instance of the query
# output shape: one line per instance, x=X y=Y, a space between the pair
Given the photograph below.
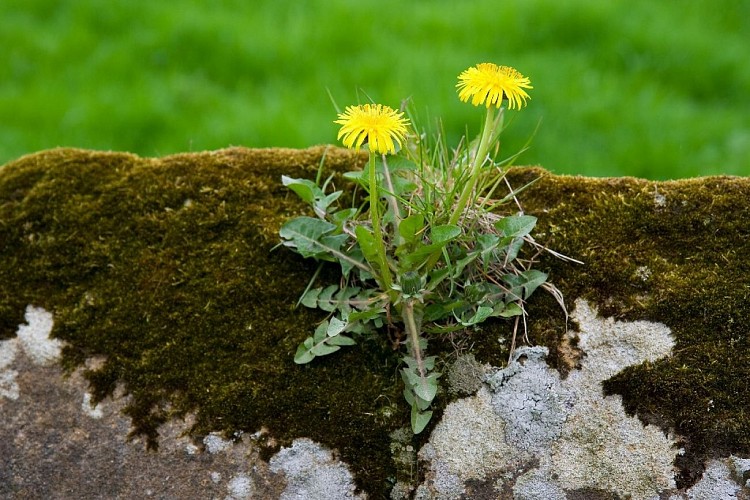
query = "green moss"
x=164 y=267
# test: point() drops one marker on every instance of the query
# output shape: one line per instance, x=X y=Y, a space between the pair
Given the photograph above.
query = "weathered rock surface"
x=643 y=394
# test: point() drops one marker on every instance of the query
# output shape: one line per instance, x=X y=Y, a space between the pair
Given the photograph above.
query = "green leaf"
x=410 y=227
x=306 y=189
x=340 y=217
x=309 y=192
x=319 y=335
x=310 y=299
x=509 y=311
x=429 y=362
x=436 y=277
x=487 y=246
x=481 y=314
x=354 y=254
x=367 y=244
x=516 y=226
x=421 y=403
x=512 y=249
x=419 y=419
x=324 y=348
x=487 y=242
x=308 y=236
x=333 y=243
x=410 y=376
x=409 y=397
x=335 y=326
x=358 y=176
x=303 y=354
x=321 y=204
x=341 y=340
x=324 y=341
x=445 y=233
x=460 y=265
x=303 y=233
x=524 y=284
x=325 y=300
x=366 y=315
x=425 y=388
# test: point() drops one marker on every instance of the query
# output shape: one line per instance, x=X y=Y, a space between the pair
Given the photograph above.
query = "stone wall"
x=147 y=330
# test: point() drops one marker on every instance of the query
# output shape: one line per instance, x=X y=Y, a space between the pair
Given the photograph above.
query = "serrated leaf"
x=460 y=265
x=435 y=311
x=524 y=284
x=421 y=403
x=304 y=188
x=303 y=354
x=481 y=314
x=325 y=299
x=512 y=248
x=412 y=378
x=367 y=244
x=323 y=202
x=425 y=388
x=409 y=397
x=429 y=362
x=366 y=315
x=324 y=348
x=341 y=216
x=334 y=241
x=304 y=233
x=509 y=311
x=410 y=227
x=308 y=236
x=410 y=362
x=341 y=340
x=320 y=333
x=436 y=277
x=516 y=226
x=335 y=326
x=487 y=242
x=310 y=299
x=347 y=293
x=419 y=419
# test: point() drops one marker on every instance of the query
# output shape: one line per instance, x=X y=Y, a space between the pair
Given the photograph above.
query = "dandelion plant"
x=425 y=253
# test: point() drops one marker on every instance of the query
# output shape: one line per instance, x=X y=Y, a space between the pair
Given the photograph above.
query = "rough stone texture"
x=526 y=434
x=577 y=439
x=540 y=428
x=54 y=444
x=312 y=472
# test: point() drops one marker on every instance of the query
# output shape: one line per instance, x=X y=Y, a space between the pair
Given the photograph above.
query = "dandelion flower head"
x=489 y=84
x=379 y=124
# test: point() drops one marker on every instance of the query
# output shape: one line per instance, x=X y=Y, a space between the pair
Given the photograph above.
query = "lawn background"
x=657 y=89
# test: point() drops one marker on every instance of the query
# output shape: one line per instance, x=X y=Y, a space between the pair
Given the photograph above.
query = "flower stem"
x=385 y=272
x=413 y=331
x=488 y=131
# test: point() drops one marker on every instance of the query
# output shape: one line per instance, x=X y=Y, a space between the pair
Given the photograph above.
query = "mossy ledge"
x=164 y=268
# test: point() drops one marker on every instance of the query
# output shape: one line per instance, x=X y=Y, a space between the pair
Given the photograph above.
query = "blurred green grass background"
x=656 y=89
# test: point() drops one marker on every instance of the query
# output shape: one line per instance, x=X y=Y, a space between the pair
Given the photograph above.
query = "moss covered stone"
x=166 y=269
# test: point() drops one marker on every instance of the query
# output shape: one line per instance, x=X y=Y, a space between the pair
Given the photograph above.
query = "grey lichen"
x=312 y=473
x=580 y=439
x=530 y=397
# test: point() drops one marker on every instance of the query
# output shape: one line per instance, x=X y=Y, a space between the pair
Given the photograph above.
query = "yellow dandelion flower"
x=489 y=84
x=379 y=124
